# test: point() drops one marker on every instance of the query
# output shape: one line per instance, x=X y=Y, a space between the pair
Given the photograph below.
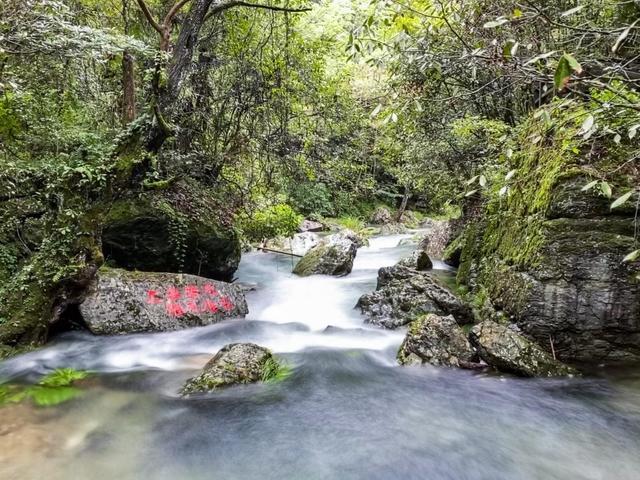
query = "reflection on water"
x=346 y=412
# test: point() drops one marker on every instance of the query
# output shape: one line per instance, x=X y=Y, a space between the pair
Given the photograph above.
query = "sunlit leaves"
x=571 y=11
x=496 y=23
x=632 y=257
x=621 y=200
x=623 y=36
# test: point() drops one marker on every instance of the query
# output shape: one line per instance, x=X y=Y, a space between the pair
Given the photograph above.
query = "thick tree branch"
x=238 y=3
x=174 y=10
x=149 y=16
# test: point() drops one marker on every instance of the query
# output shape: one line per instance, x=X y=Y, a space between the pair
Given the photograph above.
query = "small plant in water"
x=53 y=389
x=275 y=371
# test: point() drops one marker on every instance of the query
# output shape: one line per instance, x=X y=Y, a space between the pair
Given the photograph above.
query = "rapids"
x=346 y=412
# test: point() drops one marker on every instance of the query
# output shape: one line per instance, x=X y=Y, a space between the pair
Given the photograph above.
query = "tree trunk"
x=128 y=89
x=403 y=205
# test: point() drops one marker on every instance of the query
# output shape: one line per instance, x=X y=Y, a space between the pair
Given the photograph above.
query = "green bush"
x=275 y=221
x=312 y=199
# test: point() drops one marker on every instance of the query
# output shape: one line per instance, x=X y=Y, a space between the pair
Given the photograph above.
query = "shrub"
x=275 y=221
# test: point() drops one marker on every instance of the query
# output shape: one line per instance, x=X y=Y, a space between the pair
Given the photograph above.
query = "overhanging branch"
x=238 y=3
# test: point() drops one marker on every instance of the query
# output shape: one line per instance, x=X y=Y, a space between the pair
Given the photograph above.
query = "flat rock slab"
x=121 y=302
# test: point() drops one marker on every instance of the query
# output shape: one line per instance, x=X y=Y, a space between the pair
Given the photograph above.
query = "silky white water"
x=346 y=412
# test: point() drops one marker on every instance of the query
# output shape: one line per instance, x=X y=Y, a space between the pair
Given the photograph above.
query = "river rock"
x=436 y=340
x=505 y=349
x=121 y=302
x=404 y=294
x=310 y=226
x=334 y=255
x=437 y=238
x=144 y=234
x=418 y=260
x=299 y=244
x=234 y=364
x=381 y=216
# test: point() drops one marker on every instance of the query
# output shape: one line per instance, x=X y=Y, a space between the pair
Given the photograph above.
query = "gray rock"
x=299 y=244
x=138 y=236
x=393 y=229
x=311 y=226
x=505 y=349
x=234 y=364
x=121 y=302
x=437 y=238
x=332 y=256
x=404 y=294
x=381 y=216
x=437 y=340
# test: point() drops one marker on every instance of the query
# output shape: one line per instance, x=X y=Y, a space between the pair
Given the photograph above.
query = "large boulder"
x=121 y=302
x=437 y=340
x=148 y=233
x=404 y=294
x=234 y=364
x=505 y=349
x=334 y=255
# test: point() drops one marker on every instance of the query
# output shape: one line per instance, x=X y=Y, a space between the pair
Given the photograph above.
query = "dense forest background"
x=252 y=115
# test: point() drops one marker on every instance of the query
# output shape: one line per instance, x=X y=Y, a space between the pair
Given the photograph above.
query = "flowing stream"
x=347 y=411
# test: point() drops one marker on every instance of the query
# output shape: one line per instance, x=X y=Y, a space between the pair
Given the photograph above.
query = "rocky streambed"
x=345 y=409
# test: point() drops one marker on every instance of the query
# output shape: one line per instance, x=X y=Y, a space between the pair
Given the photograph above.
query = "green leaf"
x=571 y=11
x=587 y=125
x=472 y=180
x=496 y=23
x=606 y=189
x=632 y=257
x=376 y=110
x=566 y=67
x=621 y=38
x=621 y=200
x=589 y=186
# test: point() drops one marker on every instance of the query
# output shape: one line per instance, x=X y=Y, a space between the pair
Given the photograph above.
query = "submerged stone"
x=234 y=364
x=121 y=302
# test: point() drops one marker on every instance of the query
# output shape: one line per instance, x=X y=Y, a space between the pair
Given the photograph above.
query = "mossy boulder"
x=404 y=294
x=122 y=302
x=234 y=364
x=334 y=255
x=171 y=232
x=437 y=340
x=507 y=350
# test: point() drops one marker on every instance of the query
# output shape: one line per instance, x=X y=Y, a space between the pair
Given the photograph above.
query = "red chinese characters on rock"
x=192 y=299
